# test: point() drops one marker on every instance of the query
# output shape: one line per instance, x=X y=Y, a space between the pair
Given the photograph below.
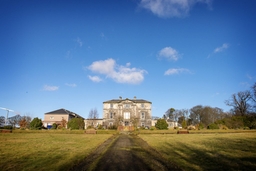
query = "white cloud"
x=173 y=71
x=78 y=40
x=119 y=73
x=221 y=48
x=50 y=88
x=71 y=85
x=171 y=8
x=95 y=78
x=169 y=53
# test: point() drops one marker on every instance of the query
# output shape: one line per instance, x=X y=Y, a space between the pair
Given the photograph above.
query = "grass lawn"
x=46 y=151
x=230 y=151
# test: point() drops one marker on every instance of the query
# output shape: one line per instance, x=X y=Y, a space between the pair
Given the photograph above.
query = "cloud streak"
x=71 y=85
x=169 y=53
x=171 y=8
x=50 y=88
x=221 y=48
x=79 y=41
x=95 y=78
x=118 y=73
x=174 y=71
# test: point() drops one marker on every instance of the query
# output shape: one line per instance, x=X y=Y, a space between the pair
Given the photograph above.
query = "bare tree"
x=14 y=120
x=240 y=102
x=253 y=95
x=92 y=117
x=2 y=121
x=196 y=114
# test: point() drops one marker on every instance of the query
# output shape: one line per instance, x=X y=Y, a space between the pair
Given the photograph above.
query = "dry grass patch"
x=35 y=151
x=230 y=151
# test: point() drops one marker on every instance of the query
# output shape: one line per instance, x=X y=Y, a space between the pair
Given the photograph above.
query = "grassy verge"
x=46 y=151
x=64 y=131
x=203 y=131
x=230 y=151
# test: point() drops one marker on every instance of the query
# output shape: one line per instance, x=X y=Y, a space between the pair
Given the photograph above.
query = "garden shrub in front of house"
x=76 y=123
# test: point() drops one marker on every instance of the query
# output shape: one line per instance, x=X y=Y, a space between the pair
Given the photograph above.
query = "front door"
x=126 y=123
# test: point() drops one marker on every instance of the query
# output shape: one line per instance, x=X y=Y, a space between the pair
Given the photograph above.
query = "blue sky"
x=77 y=54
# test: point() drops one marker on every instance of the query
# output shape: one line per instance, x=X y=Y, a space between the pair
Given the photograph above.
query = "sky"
x=77 y=54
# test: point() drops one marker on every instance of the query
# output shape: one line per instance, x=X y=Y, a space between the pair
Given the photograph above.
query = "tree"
x=36 y=124
x=253 y=95
x=24 y=122
x=14 y=120
x=169 y=113
x=161 y=124
x=2 y=121
x=196 y=114
x=93 y=115
x=63 y=123
x=76 y=123
x=240 y=102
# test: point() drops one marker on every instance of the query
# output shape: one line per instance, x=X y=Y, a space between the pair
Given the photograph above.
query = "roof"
x=64 y=111
x=133 y=100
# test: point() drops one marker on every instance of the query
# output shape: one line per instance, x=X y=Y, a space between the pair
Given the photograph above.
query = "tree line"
x=241 y=115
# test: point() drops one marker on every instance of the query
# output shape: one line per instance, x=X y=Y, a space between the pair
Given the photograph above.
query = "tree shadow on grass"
x=199 y=159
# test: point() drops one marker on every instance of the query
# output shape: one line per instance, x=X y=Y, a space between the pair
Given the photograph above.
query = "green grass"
x=229 y=151
x=46 y=150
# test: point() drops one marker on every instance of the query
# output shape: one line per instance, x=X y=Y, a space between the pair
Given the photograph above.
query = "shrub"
x=76 y=123
x=100 y=127
x=223 y=127
x=200 y=126
x=161 y=124
x=152 y=128
x=213 y=126
x=54 y=126
x=8 y=127
x=36 y=124
x=112 y=127
x=60 y=127
x=191 y=127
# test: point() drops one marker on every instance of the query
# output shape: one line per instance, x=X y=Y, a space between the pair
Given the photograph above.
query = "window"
x=142 y=115
x=51 y=117
x=142 y=124
x=126 y=115
x=111 y=105
x=142 y=104
x=111 y=115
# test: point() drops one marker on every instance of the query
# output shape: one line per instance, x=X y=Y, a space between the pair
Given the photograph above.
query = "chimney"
x=134 y=97
x=120 y=97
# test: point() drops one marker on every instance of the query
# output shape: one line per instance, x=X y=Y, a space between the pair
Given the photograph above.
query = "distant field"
x=209 y=151
x=46 y=151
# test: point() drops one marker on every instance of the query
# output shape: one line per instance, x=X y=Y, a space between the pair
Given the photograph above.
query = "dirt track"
x=125 y=152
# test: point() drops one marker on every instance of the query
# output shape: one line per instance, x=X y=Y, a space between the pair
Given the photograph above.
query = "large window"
x=142 y=115
x=126 y=115
x=142 y=124
x=111 y=105
x=111 y=115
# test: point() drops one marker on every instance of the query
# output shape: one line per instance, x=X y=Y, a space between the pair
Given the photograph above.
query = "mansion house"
x=127 y=112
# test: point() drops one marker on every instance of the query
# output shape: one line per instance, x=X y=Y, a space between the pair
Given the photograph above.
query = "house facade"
x=127 y=112
x=57 y=116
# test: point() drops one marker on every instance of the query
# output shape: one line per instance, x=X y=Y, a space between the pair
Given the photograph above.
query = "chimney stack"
x=120 y=97
x=134 y=97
